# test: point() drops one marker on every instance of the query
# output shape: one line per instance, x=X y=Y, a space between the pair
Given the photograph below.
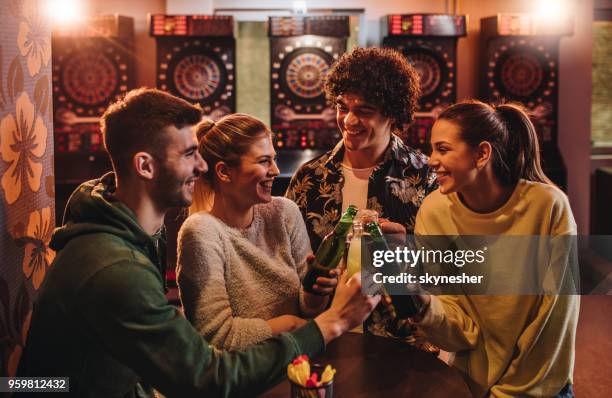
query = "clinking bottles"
x=405 y=304
x=358 y=239
x=353 y=257
x=331 y=250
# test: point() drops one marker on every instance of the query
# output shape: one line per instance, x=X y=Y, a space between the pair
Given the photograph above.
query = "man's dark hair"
x=382 y=77
x=137 y=122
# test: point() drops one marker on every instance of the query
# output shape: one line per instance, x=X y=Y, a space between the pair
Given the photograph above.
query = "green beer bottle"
x=330 y=250
x=405 y=304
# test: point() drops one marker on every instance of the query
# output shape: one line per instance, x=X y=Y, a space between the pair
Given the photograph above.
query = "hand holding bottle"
x=330 y=251
x=403 y=304
x=349 y=308
x=390 y=227
x=395 y=232
x=424 y=301
x=324 y=286
x=318 y=296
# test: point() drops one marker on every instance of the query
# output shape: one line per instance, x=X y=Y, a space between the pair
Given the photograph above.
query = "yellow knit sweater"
x=507 y=346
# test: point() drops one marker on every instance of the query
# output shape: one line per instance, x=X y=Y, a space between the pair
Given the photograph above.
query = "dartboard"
x=90 y=77
x=429 y=71
x=197 y=76
x=521 y=73
x=305 y=74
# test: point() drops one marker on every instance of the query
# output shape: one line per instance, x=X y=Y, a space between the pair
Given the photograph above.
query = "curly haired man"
x=375 y=92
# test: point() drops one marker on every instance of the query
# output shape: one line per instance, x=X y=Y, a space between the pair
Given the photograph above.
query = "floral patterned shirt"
x=396 y=190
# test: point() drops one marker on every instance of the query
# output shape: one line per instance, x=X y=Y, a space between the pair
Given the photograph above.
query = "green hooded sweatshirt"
x=101 y=317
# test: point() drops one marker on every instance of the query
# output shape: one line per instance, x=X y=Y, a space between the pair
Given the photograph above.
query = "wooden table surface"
x=371 y=366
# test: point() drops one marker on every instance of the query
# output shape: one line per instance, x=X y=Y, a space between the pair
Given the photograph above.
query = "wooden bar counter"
x=371 y=366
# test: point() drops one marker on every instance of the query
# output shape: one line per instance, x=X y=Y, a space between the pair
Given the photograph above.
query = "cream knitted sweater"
x=232 y=280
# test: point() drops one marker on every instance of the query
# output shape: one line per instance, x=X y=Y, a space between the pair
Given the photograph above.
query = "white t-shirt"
x=355 y=192
x=355 y=189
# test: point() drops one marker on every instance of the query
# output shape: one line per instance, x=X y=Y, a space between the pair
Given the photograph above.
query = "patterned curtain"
x=26 y=169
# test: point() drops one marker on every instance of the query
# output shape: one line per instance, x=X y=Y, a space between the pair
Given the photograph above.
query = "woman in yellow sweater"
x=491 y=183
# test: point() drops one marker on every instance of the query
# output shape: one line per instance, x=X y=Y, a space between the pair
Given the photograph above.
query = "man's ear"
x=145 y=165
x=393 y=125
x=222 y=171
x=483 y=154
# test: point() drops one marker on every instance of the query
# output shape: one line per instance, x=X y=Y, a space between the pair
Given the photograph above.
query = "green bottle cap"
x=373 y=228
x=352 y=210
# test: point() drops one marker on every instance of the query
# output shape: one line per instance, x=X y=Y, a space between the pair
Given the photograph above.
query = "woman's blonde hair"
x=225 y=140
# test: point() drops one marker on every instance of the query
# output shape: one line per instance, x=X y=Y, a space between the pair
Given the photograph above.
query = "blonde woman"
x=242 y=253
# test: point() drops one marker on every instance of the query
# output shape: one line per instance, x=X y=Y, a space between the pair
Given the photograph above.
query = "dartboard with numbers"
x=434 y=61
x=521 y=64
x=199 y=70
x=305 y=73
x=92 y=66
x=298 y=70
x=520 y=71
x=197 y=76
x=525 y=70
x=195 y=60
x=429 y=43
x=302 y=51
x=88 y=75
x=429 y=68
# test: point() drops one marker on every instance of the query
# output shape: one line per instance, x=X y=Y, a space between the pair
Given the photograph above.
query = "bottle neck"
x=344 y=225
x=374 y=230
x=357 y=229
x=342 y=228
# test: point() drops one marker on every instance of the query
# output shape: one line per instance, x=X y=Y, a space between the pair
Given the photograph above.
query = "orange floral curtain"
x=27 y=204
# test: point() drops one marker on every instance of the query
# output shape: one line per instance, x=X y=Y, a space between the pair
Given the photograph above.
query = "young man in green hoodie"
x=101 y=317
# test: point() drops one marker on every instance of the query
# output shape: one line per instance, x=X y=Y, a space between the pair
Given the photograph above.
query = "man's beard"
x=168 y=192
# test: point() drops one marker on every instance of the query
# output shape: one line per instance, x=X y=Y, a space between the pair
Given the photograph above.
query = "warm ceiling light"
x=62 y=12
x=554 y=15
x=299 y=7
x=552 y=9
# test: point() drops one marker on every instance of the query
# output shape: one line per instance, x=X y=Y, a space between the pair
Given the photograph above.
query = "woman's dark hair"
x=381 y=76
x=516 y=150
